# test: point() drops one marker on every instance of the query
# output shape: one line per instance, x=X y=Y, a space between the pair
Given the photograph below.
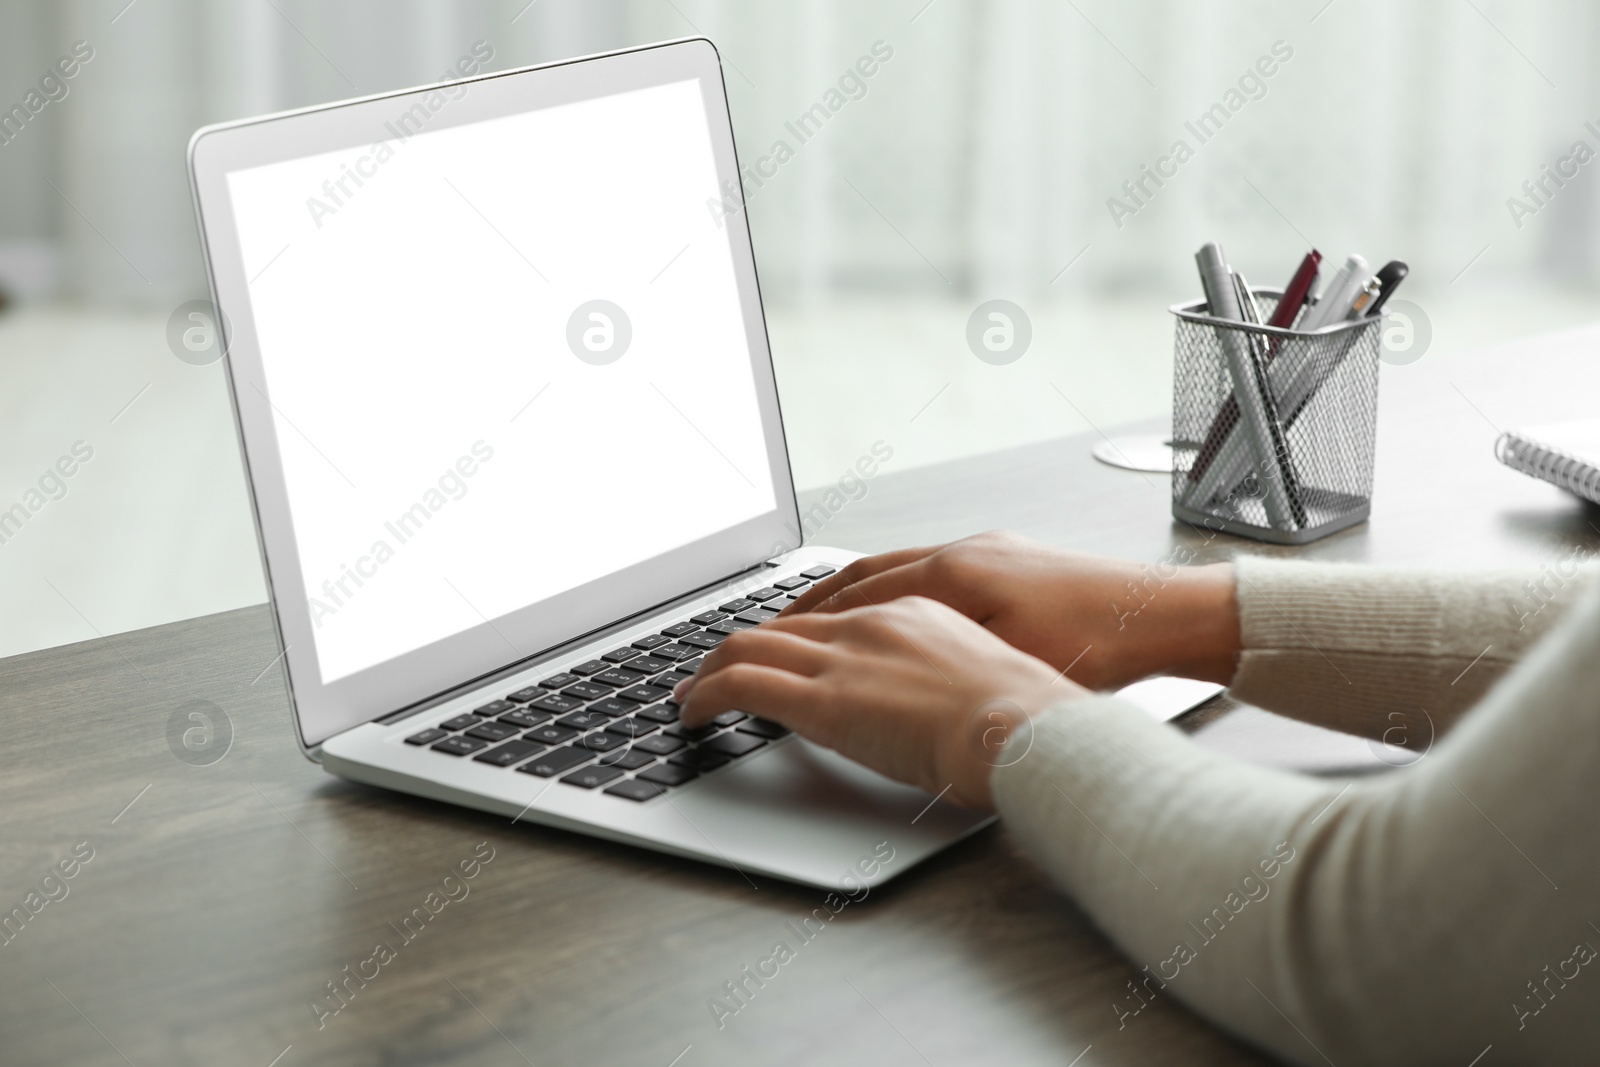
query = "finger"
x=928 y=578
x=769 y=692
x=863 y=624
x=814 y=626
x=769 y=647
x=813 y=630
x=917 y=579
x=855 y=572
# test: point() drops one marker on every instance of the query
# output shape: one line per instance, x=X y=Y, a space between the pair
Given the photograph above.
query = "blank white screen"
x=415 y=323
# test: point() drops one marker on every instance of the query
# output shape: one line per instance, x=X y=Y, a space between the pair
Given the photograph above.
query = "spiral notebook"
x=1564 y=454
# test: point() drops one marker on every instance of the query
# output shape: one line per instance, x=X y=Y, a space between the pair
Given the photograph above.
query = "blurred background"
x=995 y=154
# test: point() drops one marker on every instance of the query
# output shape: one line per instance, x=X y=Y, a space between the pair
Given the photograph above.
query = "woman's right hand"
x=1103 y=622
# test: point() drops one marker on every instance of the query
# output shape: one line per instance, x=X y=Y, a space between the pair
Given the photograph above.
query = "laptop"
x=501 y=378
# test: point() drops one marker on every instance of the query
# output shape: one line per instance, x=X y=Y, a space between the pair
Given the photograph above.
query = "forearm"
x=1148 y=833
x=1366 y=650
x=1390 y=922
x=1359 y=648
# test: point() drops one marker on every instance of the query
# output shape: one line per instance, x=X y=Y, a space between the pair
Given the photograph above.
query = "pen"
x=1247 y=299
x=1296 y=292
x=1390 y=275
x=1341 y=293
x=1295 y=295
x=1257 y=421
x=1368 y=294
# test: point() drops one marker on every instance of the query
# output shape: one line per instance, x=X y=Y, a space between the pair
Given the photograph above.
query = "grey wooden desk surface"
x=221 y=899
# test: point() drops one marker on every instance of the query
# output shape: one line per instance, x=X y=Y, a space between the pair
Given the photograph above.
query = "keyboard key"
x=733 y=607
x=460 y=722
x=822 y=570
x=633 y=727
x=495 y=707
x=626 y=759
x=611 y=707
x=728 y=718
x=649 y=641
x=659 y=745
x=550 y=735
x=648 y=664
x=555 y=761
x=525 y=718
x=645 y=694
x=508 y=753
x=705 y=640
x=600 y=742
x=590 y=777
x=678 y=629
x=588 y=690
x=668 y=774
x=765 y=593
x=633 y=789
x=583 y=720
x=728 y=627
x=460 y=746
x=696 y=759
x=427 y=737
x=589 y=666
x=616 y=677
x=732 y=744
x=705 y=618
x=789 y=585
x=617 y=655
x=763 y=728
x=699 y=733
x=671 y=679
x=557 y=703
x=689 y=666
x=661 y=713
x=756 y=616
x=522 y=696
x=789 y=598
x=558 y=681
x=676 y=652
x=492 y=731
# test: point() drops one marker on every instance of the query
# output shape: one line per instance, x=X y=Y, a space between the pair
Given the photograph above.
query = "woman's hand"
x=1105 y=622
x=909 y=688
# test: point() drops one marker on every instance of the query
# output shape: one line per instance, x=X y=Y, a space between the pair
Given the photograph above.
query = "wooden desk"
x=221 y=899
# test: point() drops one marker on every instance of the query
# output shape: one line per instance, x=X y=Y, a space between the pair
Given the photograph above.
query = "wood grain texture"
x=218 y=905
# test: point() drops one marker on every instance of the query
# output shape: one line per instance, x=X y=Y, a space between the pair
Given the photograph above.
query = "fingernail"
x=681 y=691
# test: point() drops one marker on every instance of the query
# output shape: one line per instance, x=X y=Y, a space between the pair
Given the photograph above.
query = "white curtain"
x=978 y=159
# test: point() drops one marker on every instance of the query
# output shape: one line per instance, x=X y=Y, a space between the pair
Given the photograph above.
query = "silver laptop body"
x=500 y=371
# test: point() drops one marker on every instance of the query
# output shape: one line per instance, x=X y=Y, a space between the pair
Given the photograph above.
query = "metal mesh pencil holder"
x=1298 y=465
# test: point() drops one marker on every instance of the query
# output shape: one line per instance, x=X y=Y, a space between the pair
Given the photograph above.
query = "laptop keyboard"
x=610 y=723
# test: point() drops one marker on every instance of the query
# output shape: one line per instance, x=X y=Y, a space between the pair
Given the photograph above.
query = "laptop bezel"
x=322 y=710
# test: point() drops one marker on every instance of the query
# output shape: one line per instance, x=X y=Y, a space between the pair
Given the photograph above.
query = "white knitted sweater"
x=1415 y=917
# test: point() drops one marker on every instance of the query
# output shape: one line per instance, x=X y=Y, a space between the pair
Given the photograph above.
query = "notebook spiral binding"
x=1551 y=465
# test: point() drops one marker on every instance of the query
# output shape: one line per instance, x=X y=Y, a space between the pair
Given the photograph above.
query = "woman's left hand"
x=911 y=688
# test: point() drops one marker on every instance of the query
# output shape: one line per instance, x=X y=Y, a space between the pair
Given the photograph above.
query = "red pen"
x=1295 y=293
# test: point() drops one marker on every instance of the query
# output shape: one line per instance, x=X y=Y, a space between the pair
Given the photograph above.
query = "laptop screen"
x=504 y=359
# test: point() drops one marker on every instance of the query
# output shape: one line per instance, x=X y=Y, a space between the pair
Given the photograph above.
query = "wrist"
x=996 y=735
x=1194 y=633
x=978 y=748
x=1208 y=616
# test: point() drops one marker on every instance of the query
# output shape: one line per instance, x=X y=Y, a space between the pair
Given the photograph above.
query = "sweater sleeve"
x=1369 y=650
x=1413 y=918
